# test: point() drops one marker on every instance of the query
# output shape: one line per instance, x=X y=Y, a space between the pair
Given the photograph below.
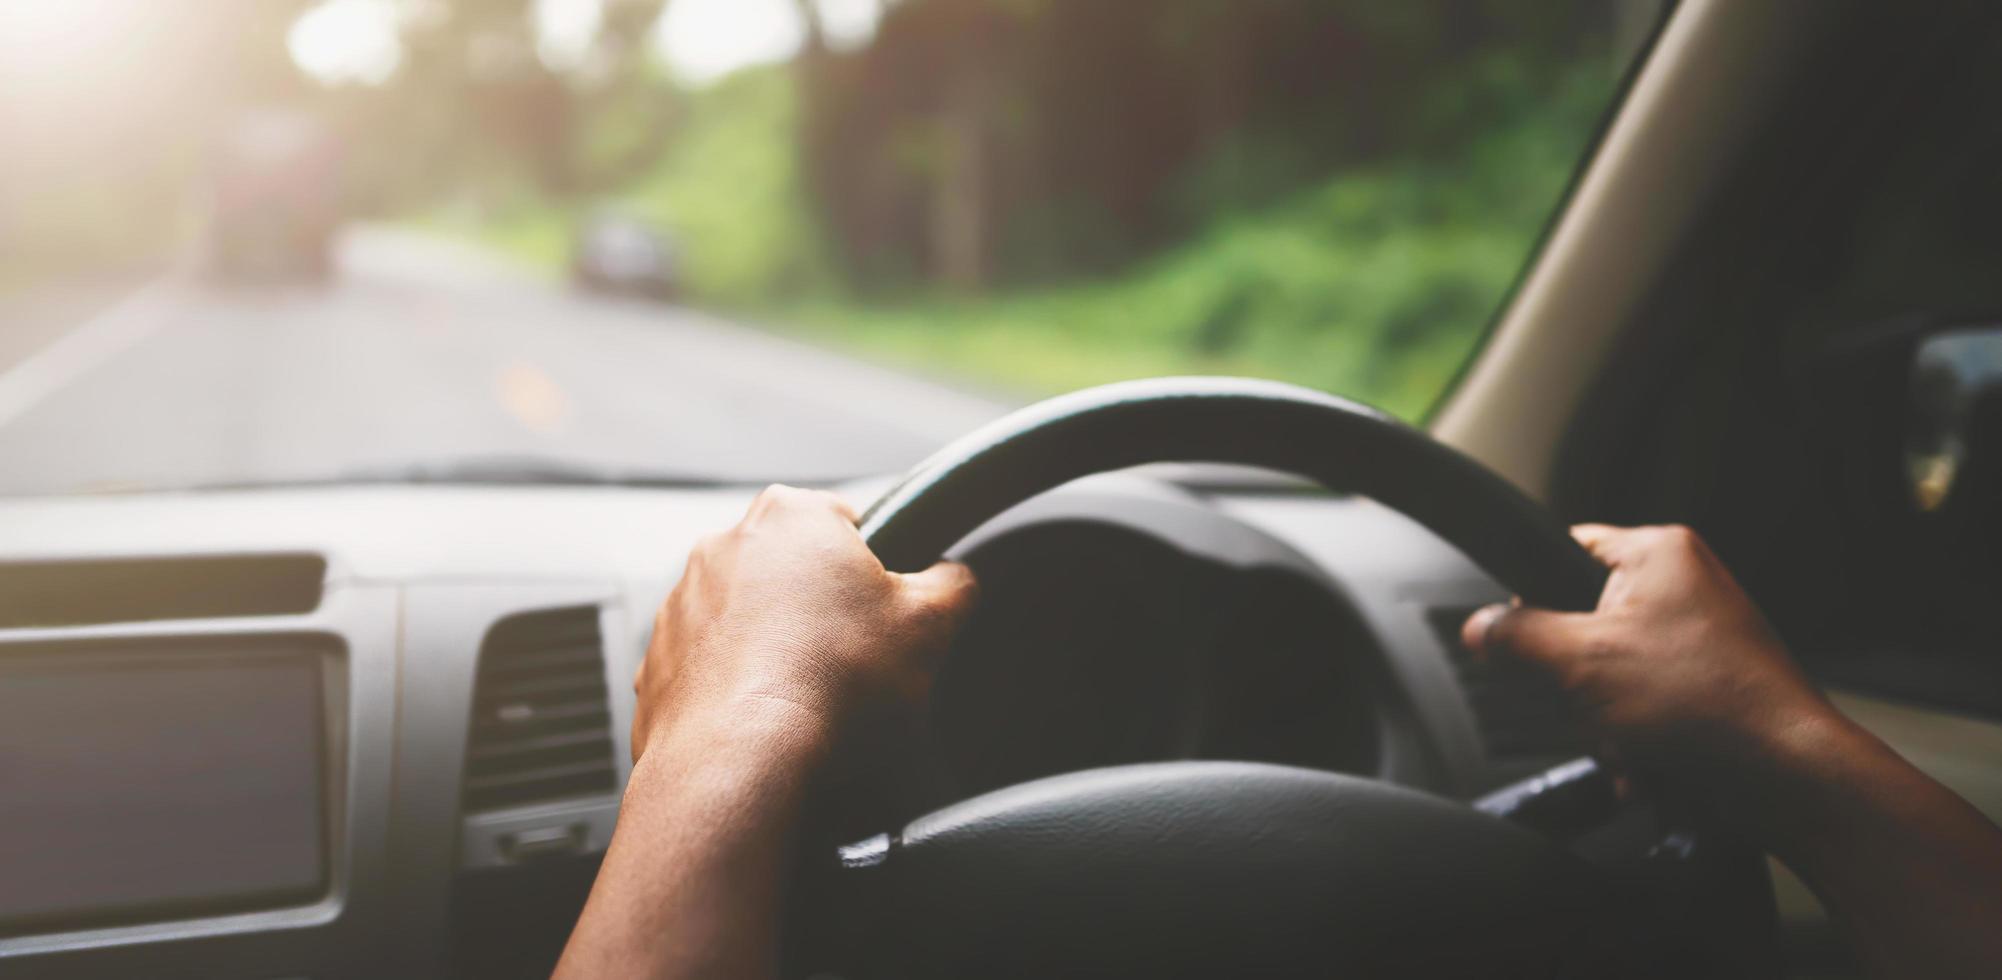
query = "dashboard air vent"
x=1522 y=713
x=541 y=722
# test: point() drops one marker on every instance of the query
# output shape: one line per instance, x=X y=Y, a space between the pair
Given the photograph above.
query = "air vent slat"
x=1522 y=713
x=561 y=718
x=534 y=739
x=544 y=790
x=502 y=748
x=536 y=775
x=545 y=636
x=541 y=720
x=524 y=760
x=555 y=659
x=542 y=688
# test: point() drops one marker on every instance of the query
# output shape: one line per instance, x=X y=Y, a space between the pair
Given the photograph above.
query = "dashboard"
x=381 y=731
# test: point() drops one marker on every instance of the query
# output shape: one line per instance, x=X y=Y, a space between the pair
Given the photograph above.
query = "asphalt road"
x=422 y=353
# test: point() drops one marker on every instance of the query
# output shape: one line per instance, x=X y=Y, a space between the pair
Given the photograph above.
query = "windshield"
x=266 y=242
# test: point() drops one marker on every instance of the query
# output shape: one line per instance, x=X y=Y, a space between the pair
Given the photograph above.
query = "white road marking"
x=85 y=346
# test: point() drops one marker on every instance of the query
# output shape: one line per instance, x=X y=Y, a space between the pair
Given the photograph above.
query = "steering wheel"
x=1233 y=868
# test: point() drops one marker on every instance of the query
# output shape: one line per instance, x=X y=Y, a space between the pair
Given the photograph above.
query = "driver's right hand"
x=1676 y=669
x=789 y=611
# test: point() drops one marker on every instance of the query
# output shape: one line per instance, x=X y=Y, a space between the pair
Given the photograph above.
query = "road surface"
x=423 y=353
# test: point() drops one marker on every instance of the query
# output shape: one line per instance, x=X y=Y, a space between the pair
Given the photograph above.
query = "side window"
x=1815 y=391
x=1904 y=331
x=989 y=201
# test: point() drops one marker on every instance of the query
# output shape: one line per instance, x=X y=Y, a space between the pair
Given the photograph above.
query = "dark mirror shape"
x=1955 y=414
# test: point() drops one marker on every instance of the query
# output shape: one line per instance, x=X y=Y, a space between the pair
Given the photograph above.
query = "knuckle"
x=956 y=606
x=773 y=497
x=1679 y=538
x=968 y=588
x=959 y=593
x=1598 y=646
x=940 y=612
x=1588 y=654
x=1584 y=673
x=1503 y=631
x=1577 y=678
x=925 y=616
x=841 y=507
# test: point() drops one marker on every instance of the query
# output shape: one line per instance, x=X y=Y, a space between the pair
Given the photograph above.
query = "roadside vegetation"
x=1032 y=197
x=1373 y=282
x=1022 y=195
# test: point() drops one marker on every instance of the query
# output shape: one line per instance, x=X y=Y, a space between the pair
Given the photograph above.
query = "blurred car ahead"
x=622 y=255
x=275 y=199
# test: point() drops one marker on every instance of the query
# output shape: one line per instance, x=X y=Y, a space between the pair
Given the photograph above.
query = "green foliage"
x=1375 y=283
x=523 y=226
x=730 y=187
x=1326 y=290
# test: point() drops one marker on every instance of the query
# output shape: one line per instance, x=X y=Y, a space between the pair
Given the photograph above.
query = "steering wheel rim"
x=1241 y=421
x=1340 y=444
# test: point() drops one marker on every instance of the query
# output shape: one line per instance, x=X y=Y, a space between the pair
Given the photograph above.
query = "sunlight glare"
x=565 y=29
x=849 y=23
x=347 y=41
x=703 y=40
x=42 y=41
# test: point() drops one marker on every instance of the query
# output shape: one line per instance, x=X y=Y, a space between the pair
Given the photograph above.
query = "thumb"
x=1536 y=635
x=947 y=589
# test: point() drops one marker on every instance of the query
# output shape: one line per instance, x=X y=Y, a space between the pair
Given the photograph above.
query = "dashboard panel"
x=330 y=922
x=164 y=779
x=474 y=649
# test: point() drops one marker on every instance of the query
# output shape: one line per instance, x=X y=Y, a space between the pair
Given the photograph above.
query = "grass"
x=1373 y=283
x=1360 y=287
x=537 y=237
x=1335 y=289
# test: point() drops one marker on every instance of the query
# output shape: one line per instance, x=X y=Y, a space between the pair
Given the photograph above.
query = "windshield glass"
x=249 y=242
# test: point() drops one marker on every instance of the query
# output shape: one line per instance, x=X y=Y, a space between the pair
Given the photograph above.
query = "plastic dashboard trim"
x=357 y=623
x=417 y=577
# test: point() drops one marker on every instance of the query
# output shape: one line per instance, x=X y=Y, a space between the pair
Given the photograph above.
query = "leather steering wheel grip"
x=1340 y=444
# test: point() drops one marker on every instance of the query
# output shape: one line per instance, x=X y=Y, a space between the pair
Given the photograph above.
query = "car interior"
x=1768 y=309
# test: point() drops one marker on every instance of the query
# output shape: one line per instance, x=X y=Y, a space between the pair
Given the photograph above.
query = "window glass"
x=253 y=242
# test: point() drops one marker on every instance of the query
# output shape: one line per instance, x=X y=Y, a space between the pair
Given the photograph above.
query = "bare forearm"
x=690 y=885
x=1912 y=871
